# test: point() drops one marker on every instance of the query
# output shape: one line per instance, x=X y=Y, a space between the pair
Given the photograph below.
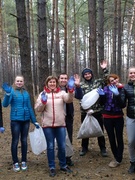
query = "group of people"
x=55 y=103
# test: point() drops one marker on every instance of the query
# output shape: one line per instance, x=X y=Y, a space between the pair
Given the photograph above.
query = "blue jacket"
x=21 y=109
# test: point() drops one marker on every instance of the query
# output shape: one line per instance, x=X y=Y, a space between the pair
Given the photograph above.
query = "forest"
x=43 y=37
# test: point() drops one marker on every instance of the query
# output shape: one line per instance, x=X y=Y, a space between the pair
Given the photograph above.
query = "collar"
x=56 y=90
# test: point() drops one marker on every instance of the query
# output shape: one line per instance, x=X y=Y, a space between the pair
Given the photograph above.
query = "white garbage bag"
x=89 y=99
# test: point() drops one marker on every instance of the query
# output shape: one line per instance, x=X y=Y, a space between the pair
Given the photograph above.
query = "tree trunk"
x=33 y=50
x=65 y=36
x=52 y=37
x=24 y=46
x=119 y=63
x=43 y=70
x=114 y=38
x=100 y=32
x=1 y=44
x=57 y=57
x=101 y=29
x=92 y=38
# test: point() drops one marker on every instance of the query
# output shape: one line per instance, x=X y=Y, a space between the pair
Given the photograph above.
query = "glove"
x=71 y=83
x=6 y=88
x=90 y=112
x=114 y=89
x=37 y=125
x=100 y=91
x=43 y=97
x=2 y=129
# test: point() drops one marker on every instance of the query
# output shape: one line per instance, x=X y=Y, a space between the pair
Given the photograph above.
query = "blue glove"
x=71 y=82
x=6 y=88
x=100 y=91
x=43 y=96
x=37 y=125
x=114 y=89
x=2 y=129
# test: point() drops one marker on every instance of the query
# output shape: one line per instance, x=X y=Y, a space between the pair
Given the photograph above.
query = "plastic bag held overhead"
x=89 y=99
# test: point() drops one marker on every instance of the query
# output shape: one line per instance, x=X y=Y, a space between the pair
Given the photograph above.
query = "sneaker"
x=16 y=167
x=103 y=153
x=69 y=162
x=83 y=152
x=66 y=169
x=52 y=172
x=113 y=164
x=24 y=166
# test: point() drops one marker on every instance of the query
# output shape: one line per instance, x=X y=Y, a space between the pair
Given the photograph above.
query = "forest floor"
x=92 y=166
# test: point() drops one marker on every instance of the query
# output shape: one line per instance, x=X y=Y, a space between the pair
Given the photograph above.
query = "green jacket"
x=88 y=86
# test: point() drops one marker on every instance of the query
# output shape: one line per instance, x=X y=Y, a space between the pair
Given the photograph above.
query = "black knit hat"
x=87 y=70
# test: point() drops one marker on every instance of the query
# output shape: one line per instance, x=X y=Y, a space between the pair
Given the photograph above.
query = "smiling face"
x=113 y=81
x=19 y=81
x=63 y=79
x=87 y=76
x=52 y=84
x=131 y=74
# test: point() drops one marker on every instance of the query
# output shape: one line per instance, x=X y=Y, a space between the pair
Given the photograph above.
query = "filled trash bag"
x=89 y=99
x=89 y=128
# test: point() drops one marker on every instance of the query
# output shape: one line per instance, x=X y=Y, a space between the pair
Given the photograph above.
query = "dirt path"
x=89 y=167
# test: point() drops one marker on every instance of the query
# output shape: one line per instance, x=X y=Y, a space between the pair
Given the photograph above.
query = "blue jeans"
x=60 y=134
x=19 y=129
x=130 y=124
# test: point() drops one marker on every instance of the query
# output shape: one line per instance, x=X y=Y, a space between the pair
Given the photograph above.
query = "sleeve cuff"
x=8 y=94
x=44 y=102
x=71 y=90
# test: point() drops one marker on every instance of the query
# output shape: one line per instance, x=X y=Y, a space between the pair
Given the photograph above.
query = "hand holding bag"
x=89 y=128
x=37 y=141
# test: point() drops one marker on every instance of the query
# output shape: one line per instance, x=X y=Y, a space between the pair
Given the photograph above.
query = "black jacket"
x=128 y=98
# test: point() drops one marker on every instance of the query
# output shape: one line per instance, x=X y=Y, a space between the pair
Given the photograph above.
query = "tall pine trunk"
x=43 y=70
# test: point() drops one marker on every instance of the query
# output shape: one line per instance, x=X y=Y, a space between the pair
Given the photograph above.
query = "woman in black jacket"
x=128 y=95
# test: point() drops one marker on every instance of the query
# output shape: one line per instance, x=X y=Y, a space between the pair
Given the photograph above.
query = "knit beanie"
x=87 y=70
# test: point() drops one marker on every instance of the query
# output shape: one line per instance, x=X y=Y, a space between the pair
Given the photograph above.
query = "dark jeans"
x=114 y=128
x=69 y=126
x=101 y=140
x=19 y=129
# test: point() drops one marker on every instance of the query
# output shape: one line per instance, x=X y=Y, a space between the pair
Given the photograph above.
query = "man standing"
x=69 y=110
x=88 y=85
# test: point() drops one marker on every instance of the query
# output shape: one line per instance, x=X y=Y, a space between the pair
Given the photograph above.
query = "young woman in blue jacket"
x=21 y=113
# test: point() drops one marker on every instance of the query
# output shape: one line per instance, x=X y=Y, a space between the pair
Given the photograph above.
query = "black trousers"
x=114 y=128
x=69 y=126
x=101 y=140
